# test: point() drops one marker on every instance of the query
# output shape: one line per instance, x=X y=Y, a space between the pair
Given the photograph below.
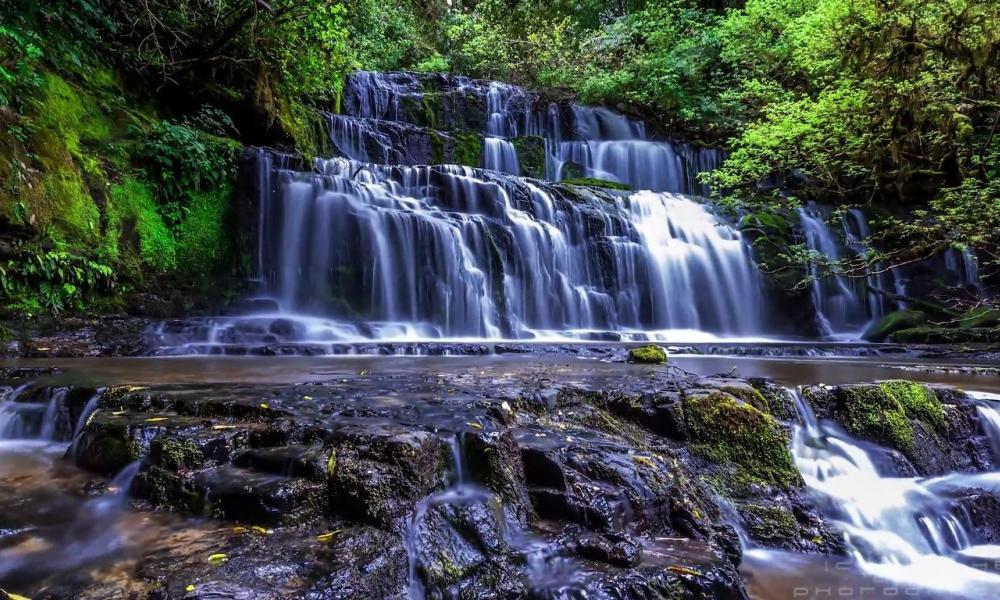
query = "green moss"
x=468 y=149
x=981 y=316
x=918 y=401
x=893 y=322
x=175 y=454
x=649 y=354
x=747 y=394
x=531 y=155
x=599 y=183
x=74 y=214
x=133 y=220
x=202 y=240
x=869 y=412
x=727 y=430
x=945 y=335
x=769 y=524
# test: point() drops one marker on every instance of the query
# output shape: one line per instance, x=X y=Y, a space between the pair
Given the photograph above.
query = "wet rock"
x=734 y=433
x=494 y=460
x=261 y=499
x=616 y=549
x=981 y=510
x=935 y=427
x=110 y=441
x=380 y=475
x=458 y=547
x=650 y=355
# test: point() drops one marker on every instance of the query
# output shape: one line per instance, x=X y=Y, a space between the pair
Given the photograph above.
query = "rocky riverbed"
x=477 y=479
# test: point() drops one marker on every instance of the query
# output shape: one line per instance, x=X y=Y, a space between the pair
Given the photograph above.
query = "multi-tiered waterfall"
x=377 y=245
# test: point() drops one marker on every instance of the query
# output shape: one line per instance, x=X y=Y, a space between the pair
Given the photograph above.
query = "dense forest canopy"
x=892 y=103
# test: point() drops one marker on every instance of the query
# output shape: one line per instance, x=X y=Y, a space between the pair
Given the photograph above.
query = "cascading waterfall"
x=581 y=141
x=844 y=303
x=379 y=246
x=900 y=529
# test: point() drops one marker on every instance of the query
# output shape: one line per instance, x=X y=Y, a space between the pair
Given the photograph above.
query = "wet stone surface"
x=513 y=483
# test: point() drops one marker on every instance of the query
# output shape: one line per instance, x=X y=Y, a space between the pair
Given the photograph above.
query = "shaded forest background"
x=121 y=121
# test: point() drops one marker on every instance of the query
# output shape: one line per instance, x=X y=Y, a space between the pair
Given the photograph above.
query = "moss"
x=649 y=354
x=869 y=412
x=599 y=183
x=944 y=335
x=175 y=454
x=531 y=155
x=769 y=524
x=727 y=430
x=468 y=150
x=980 y=316
x=893 y=322
x=202 y=241
x=747 y=394
x=133 y=218
x=918 y=401
x=74 y=214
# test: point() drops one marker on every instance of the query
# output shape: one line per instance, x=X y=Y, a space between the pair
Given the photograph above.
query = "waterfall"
x=844 y=303
x=29 y=414
x=377 y=245
x=901 y=529
x=381 y=111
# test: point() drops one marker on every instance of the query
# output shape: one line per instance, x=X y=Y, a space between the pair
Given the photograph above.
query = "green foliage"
x=52 y=280
x=133 y=216
x=434 y=63
x=184 y=160
x=202 y=238
x=19 y=57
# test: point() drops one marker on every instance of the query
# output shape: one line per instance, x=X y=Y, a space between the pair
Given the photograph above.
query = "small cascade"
x=965 y=266
x=900 y=529
x=88 y=409
x=844 y=303
x=35 y=414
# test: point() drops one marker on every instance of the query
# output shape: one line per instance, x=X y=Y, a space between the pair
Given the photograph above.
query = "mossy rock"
x=729 y=431
x=598 y=183
x=883 y=412
x=649 y=355
x=981 y=317
x=531 y=155
x=880 y=330
x=945 y=335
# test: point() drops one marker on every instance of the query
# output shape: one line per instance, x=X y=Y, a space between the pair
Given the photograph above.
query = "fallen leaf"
x=218 y=427
x=155 y=419
x=261 y=530
x=684 y=571
x=307 y=397
x=363 y=372
x=475 y=425
x=217 y=558
x=13 y=596
x=239 y=529
x=118 y=413
x=189 y=588
x=264 y=405
x=326 y=537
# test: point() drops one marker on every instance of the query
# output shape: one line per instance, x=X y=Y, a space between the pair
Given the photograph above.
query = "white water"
x=899 y=529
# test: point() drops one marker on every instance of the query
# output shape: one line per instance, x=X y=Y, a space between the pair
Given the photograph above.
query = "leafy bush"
x=54 y=280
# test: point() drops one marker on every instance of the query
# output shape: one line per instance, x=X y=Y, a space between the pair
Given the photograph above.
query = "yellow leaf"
x=363 y=372
x=118 y=413
x=189 y=588
x=326 y=537
x=217 y=558
x=13 y=596
x=239 y=529
x=684 y=571
x=155 y=419
x=218 y=427
x=307 y=397
x=261 y=530
x=475 y=425
x=264 y=405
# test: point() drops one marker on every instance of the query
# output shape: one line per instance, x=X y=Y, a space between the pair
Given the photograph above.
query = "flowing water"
x=906 y=535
